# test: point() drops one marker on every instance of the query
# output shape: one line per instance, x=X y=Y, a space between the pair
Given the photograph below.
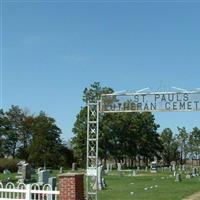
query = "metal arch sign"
x=151 y=102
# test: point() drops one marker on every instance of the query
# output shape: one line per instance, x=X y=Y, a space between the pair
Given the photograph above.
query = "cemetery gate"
x=129 y=102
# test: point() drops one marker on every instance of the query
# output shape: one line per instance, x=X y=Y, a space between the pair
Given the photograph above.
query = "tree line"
x=130 y=138
x=182 y=146
x=34 y=138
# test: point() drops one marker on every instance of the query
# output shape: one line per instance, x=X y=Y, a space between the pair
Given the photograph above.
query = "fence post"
x=71 y=186
x=28 y=192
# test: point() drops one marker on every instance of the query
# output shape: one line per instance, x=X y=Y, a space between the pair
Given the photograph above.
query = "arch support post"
x=92 y=151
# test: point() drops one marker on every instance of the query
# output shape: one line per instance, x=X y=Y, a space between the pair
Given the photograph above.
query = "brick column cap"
x=70 y=174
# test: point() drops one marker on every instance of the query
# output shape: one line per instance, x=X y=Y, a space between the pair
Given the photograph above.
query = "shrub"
x=8 y=163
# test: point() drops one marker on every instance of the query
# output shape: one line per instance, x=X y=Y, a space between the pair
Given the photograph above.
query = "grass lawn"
x=163 y=187
x=159 y=186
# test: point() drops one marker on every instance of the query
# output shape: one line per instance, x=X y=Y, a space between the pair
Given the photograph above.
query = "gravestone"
x=153 y=167
x=39 y=169
x=173 y=167
x=134 y=173
x=119 y=167
x=6 y=171
x=194 y=171
x=107 y=168
x=174 y=173
x=19 y=165
x=188 y=176
x=163 y=169
x=52 y=183
x=19 y=172
x=103 y=183
x=100 y=181
x=23 y=172
x=61 y=170
x=146 y=169
x=178 y=178
x=103 y=171
x=111 y=166
x=26 y=171
x=74 y=166
x=100 y=185
x=183 y=167
x=43 y=177
x=138 y=168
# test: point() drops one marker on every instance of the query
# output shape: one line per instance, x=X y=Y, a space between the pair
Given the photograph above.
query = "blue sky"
x=52 y=50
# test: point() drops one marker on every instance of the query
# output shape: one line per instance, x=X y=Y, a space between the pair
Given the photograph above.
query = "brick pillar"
x=71 y=186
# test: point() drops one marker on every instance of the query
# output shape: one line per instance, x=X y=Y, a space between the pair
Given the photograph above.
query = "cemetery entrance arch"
x=129 y=102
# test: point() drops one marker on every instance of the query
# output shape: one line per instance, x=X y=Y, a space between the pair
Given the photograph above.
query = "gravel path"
x=195 y=196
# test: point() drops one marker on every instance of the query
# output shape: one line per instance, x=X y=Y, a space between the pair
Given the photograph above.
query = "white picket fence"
x=27 y=192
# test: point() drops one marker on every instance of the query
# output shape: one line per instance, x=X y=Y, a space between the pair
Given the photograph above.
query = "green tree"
x=13 y=117
x=80 y=139
x=182 y=139
x=148 y=141
x=32 y=138
x=113 y=139
x=94 y=92
x=170 y=146
x=45 y=146
x=65 y=154
x=194 y=143
x=17 y=132
x=2 y=133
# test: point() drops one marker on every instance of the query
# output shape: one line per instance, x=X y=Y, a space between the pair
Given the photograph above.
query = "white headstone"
x=178 y=178
x=6 y=171
x=153 y=167
x=173 y=167
x=107 y=168
x=111 y=166
x=194 y=171
x=74 y=166
x=101 y=182
x=61 y=170
x=134 y=173
x=188 y=176
x=39 y=169
x=174 y=173
x=119 y=167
